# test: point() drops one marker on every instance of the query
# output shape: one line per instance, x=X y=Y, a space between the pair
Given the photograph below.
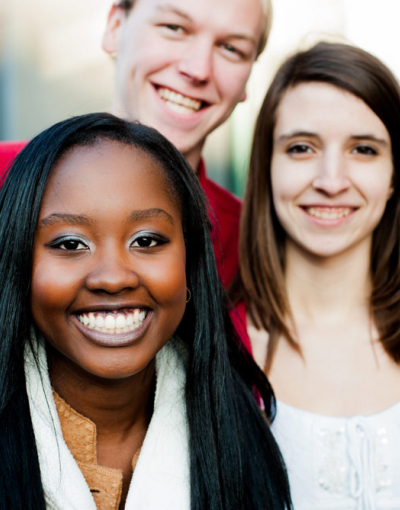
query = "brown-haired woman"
x=319 y=282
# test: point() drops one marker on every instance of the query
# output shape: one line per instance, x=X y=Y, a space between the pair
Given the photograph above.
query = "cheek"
x=167 y=282
x=51 y=292
x=231 y=81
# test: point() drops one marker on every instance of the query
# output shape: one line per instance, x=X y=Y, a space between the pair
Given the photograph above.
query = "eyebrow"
x=77 y=219
x=179 y=12
x=310 y=134
x=148 y=214
x=293 y=134
x=171 y=8
x=70 y=219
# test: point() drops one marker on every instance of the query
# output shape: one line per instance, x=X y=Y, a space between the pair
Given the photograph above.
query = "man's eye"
x=232 y=50
x=70 y=245
x=174 y=28
x=299 y=148
x=365 y=150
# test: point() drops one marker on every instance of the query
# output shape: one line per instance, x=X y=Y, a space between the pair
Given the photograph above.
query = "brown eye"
x=69 y=244
x=365 y=150
x=299 y=148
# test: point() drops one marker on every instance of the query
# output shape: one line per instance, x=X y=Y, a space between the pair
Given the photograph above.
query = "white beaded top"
x=350 y=463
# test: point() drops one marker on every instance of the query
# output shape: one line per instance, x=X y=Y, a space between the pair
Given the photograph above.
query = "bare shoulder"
x=259 y=342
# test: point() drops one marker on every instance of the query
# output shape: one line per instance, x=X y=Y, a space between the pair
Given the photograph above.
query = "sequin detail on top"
x=353 y=459
x=341 y=463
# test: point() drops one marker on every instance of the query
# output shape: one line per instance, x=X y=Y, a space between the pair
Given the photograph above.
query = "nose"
x=332 y=176
x=196 y=62
x=112 y=272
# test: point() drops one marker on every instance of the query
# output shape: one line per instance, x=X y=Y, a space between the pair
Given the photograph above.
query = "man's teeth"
x=113 y=323
x=328 y=213
x=179 y=103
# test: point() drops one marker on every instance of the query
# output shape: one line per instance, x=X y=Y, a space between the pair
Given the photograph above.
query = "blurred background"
x=52 y=65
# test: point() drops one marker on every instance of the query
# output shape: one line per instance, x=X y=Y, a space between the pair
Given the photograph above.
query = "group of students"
x=129 y=377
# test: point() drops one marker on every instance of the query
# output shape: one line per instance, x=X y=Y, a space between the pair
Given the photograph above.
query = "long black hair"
x=235 y=463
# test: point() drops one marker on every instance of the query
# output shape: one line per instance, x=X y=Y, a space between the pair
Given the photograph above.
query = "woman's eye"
x=365 y=150
x=145 y=242
x=70 y=245
x=299 y=148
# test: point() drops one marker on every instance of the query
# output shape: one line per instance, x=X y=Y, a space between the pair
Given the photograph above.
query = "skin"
x=331 y=154
x=202 y=50
x=128 y=252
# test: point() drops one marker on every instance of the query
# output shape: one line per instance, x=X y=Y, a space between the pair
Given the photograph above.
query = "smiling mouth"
x=113 y=322
x=328 y=213
x=178 y=102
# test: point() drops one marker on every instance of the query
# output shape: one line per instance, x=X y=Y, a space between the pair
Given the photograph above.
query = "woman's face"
x=108 y=280
x=331 y=169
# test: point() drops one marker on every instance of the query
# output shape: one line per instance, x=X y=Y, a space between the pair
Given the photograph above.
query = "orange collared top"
x=80 y=435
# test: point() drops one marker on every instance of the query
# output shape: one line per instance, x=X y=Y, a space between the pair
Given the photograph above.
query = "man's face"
x=182 y=65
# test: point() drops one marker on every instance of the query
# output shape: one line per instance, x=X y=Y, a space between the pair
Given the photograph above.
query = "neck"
x=327 y=289
x=115 y=406
x=193 y=158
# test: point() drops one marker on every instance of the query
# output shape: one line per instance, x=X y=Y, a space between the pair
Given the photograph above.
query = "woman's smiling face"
x=108 y=280
x=331 y=169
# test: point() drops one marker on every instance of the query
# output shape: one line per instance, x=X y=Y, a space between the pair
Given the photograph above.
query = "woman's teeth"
x=113 y=323
x=179 y=103
x=328 y=213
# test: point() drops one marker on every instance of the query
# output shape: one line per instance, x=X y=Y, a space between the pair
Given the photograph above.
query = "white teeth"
x=179 y=103
x=121 y=321
x=109 y=322
x=114 y=323
x=329 y=213
x=100 y=321
x=92 y=320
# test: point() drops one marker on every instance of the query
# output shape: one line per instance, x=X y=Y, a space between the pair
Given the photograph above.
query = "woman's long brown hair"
x=260 y=281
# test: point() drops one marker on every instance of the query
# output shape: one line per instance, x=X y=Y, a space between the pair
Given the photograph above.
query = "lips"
x=180 y=103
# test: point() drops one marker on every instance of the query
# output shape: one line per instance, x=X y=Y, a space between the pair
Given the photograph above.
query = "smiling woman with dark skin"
x=122 y=384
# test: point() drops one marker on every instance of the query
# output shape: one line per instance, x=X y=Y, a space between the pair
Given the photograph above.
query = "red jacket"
x=225 y=218
x=8 y=151
x=225 y=214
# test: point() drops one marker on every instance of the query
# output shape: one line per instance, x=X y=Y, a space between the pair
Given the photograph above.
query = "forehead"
x=310 y=106
x=242 y=17
x=108 y=176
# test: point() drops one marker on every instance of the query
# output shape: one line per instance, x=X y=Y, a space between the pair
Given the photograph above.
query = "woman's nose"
x=332 y=175
x=112 y=273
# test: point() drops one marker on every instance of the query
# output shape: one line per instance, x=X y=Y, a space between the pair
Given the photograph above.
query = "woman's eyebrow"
x=146 y=214
x=70 y=219
x=371 y=138
x=77 y=219
x=293 y=134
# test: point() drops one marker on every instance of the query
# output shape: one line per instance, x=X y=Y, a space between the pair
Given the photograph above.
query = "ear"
x=390 y=192
x=110 y=38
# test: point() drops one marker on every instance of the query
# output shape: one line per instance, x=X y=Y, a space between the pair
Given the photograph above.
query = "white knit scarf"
x=161 y=480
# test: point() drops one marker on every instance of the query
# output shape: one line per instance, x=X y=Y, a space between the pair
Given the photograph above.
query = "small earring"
x=188 y=295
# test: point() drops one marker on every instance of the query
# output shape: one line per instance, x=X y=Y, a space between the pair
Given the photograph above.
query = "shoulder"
x=221 y=200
